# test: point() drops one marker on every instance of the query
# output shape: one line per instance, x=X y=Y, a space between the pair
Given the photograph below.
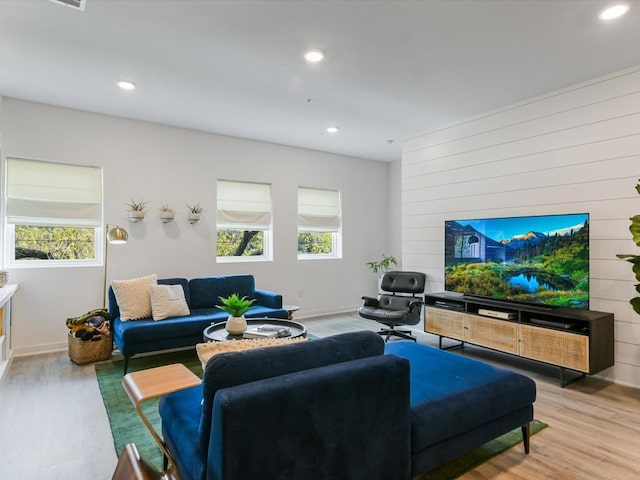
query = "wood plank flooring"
x=53 y=424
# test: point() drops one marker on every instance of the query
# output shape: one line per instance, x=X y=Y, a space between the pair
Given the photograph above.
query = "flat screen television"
x=539 y=259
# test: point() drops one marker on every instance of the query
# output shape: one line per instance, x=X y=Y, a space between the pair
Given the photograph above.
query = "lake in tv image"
x=538 y=259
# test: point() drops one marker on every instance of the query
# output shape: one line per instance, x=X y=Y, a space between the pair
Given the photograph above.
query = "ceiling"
x=393 y=69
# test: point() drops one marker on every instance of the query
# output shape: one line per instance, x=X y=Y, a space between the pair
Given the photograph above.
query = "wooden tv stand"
x=577 y=340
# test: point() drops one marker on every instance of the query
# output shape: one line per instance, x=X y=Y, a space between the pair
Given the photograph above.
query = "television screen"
x=541 y=259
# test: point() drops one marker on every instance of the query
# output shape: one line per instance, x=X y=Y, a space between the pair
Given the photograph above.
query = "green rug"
x=127 y=427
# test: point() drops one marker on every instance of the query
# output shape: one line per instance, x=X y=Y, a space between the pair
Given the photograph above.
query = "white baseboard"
x=40 y=349
x=325 y=311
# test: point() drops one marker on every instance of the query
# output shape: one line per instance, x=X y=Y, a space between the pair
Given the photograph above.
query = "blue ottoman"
x=458 y=403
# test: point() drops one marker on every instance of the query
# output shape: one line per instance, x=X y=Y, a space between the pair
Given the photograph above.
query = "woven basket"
x=95 y=350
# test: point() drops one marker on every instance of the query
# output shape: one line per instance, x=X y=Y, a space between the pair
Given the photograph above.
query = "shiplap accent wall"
x=570 y=151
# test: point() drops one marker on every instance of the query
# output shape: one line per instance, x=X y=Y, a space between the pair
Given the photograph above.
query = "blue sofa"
x=339 y=407
x=202 y=296
x=334 y=408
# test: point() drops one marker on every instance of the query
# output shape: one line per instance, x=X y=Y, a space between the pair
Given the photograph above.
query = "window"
x=319 y=223
x=53 y=213
x=244 y=221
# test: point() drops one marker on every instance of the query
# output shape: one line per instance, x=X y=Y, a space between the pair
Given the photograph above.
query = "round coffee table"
x=216 y=332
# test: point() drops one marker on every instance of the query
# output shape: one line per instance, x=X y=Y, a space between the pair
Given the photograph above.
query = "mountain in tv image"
x=542 y=260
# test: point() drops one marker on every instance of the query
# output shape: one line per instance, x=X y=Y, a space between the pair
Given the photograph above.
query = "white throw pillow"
x=168 y=301
x=134 y=299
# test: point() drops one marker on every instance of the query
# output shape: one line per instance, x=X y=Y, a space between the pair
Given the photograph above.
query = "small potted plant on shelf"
x=195 y=212
x=166 y=213
x=634 y=228
x=236 y=307
x=383 y=264
x=136 y=210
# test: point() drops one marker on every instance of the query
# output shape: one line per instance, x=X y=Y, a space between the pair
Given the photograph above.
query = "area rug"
x=127 y=427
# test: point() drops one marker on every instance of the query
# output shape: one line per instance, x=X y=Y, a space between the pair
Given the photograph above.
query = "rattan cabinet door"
x=444 y=323
x=564 y=349
x=497 y=334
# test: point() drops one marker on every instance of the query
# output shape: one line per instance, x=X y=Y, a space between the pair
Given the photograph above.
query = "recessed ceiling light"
x=314 y=56
x=332 y=129
x=613 y=12
x=126 y=84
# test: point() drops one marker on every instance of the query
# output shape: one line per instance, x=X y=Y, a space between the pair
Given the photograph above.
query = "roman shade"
x=53 y=194
x=318 y=210
x=243 y=205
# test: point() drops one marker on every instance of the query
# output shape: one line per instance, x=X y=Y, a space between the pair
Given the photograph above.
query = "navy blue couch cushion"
x=180 y=413
x=149 y=330
x=206 y=292
x=451 y=394
x=344 y=421
x=227 y=370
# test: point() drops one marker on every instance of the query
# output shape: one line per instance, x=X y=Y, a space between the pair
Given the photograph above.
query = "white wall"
x=575 y=150
x=169 y=165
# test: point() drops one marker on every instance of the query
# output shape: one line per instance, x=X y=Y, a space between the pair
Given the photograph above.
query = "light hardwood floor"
x=53 y=424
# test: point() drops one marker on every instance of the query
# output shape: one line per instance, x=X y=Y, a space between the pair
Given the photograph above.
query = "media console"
x=577 y=340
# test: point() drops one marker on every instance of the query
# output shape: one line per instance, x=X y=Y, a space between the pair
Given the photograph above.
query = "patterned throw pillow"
x=134 y=297
x=168 y=301
x=207 y=350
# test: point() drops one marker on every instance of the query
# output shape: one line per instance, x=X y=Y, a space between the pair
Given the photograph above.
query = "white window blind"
x=244 y=206
x=318 y=210
x=46 y=193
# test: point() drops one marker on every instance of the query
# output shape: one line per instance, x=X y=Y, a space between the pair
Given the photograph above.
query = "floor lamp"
x=116 y=236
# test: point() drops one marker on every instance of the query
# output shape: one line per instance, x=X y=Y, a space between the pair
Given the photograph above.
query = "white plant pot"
x=195 y=217
x=236 y=325
x=167 y=216
x=136 y=216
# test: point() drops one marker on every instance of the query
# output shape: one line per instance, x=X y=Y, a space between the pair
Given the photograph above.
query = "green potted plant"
x=195 y=212
x=136 y=210
x=634 y=228
x=236 y=307
x=382 y=265
x=166 y=213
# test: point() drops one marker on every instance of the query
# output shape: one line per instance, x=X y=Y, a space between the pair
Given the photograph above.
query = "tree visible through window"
x=243 y=220
x=54 y=243
x=240 y=243
x=315 y=243
x=319 y=223
x=53 y=212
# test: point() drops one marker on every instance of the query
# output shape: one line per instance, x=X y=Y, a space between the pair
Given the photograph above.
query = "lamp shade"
x=117 y=236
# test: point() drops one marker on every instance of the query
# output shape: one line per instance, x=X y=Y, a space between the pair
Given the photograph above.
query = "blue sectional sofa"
x=202 y=296
x=334 y=408
x=339 y=407
x=458 y=403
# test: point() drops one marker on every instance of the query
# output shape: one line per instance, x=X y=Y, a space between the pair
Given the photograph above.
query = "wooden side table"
x=291 y=309
x=155 y=382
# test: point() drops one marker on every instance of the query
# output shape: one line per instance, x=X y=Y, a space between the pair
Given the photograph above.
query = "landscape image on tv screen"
x=541 y=259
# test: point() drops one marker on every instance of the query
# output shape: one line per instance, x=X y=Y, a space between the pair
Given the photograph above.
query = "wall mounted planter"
x=194 y=217
x=136 y=216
